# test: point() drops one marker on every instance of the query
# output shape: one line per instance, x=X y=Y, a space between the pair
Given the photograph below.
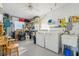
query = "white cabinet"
x=40 y=39
x=71 y=40
x=49 y=39
x=52 y=41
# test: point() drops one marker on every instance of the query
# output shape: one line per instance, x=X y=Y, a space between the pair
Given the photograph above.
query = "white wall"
x=13 y=20
x=18 y=25
x=64 y=11
x=67 y=10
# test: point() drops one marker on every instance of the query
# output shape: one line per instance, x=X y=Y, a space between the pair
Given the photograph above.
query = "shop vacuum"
x=68 y=51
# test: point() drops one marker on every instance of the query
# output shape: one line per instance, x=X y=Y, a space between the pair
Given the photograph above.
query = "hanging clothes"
x=7 y=24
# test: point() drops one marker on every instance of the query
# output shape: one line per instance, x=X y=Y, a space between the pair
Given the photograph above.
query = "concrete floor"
x=27 y=48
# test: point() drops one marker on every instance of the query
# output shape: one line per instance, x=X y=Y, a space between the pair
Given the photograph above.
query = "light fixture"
x=30 y=6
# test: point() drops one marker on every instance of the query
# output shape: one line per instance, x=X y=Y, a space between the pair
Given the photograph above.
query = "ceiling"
x=22 y=9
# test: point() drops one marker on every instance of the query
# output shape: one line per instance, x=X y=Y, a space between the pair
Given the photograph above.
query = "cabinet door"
x=40 y=39
x=51 y=42
x=70 y=40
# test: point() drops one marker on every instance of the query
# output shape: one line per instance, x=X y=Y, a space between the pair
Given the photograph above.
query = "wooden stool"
x=11 y=47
